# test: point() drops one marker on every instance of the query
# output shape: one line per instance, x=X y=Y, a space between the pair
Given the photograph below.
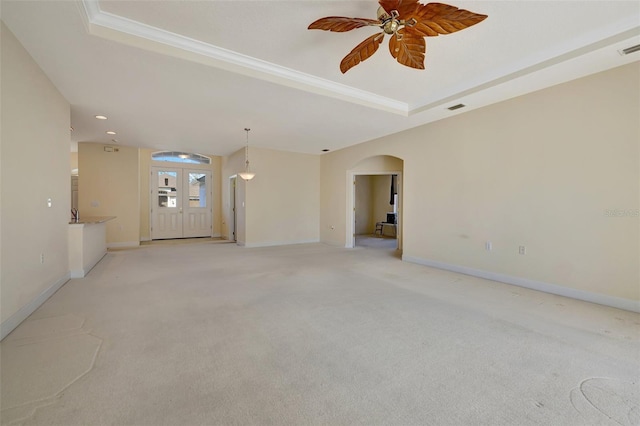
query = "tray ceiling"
x=192 y=75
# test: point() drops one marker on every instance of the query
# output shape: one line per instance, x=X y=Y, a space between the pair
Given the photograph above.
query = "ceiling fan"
x=408 y=22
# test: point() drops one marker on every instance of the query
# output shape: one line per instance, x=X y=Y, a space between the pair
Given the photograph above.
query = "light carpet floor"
x=215 y=334
x=375 y=241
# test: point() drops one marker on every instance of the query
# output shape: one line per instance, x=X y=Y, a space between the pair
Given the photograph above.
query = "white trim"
x=77 y=273
x=128 y=31
x=124 y=244
x=14 y=320
x=227 y=59
x=279 y=243
x=81 y=273
x=587 y=296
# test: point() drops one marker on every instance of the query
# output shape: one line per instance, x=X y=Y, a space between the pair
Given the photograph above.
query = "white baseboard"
x=77 y=273
x=124 y=244
x=142 y=239
x=81 y=273
x=279 y=243
x=14 y=320
x=587 y=296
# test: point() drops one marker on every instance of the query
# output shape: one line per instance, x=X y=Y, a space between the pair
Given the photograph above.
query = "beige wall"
x=283 y=200
x=108 y=185
x=364 y=223
x=74 y=160
x=539 y=170
x=35 y=166
x=280 y=205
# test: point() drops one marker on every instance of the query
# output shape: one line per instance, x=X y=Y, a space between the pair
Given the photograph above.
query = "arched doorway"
x=374 y=202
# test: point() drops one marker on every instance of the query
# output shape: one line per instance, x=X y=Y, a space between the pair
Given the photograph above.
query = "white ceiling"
x=191 y=75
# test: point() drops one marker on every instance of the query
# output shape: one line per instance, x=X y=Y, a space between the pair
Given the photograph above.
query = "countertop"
x=91 y=220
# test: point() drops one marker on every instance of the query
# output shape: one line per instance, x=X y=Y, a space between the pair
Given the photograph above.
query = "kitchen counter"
x=87 y=243
x=91 y=220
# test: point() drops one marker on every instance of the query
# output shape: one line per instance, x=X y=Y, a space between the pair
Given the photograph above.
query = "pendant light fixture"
x=247 y=174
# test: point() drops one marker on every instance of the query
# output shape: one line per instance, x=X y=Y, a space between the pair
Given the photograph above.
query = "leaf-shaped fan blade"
x=341 y=24
x=437 y=18
x=404 y=7
x=389 y=5
x=361 y=52
x=408 y=47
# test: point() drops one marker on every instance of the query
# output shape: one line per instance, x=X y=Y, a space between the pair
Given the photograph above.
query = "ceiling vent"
x=629 y=50
x=455 y=107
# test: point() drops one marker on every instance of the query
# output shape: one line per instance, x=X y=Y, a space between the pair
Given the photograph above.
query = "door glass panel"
x=167 y=193
x=197 y=190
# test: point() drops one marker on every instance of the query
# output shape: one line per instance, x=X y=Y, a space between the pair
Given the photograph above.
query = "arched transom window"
x=180 y=157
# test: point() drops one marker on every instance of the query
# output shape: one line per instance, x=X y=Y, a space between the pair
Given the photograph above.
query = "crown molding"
x=124 y=30
x=127 y=31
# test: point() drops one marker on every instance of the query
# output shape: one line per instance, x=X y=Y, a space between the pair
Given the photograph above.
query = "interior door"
x=196 y=204
x=166 y=211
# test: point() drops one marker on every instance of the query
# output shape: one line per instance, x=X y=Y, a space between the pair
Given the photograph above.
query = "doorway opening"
x=375 y=219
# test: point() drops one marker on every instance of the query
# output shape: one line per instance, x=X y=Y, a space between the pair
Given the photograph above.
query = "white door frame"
x=350 y=238
x=233 y=182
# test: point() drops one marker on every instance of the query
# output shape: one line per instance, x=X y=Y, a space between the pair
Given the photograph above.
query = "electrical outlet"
x=522 y=250
x=488 y=246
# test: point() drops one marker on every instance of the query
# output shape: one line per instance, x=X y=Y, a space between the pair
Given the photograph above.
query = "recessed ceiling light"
x=110 y=132
x=101 y=117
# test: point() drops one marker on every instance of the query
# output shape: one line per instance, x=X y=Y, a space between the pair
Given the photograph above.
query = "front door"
x=196 y=216
x=181 y=203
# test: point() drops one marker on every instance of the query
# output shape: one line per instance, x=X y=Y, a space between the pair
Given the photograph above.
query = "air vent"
x=455 y=107
x=628 y=50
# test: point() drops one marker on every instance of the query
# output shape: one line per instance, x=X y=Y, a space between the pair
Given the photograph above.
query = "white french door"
x=181 y=203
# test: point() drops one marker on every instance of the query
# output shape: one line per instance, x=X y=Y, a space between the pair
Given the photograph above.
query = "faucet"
x=75 y=214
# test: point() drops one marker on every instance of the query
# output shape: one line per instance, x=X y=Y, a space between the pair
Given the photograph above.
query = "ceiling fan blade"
x=408 y=47
x=361 y=52
x=341 y=24
x=403 y=7
x=389 y=5
x=436 y=18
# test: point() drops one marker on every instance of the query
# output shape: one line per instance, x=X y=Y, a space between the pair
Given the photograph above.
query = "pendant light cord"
x=246 y=150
